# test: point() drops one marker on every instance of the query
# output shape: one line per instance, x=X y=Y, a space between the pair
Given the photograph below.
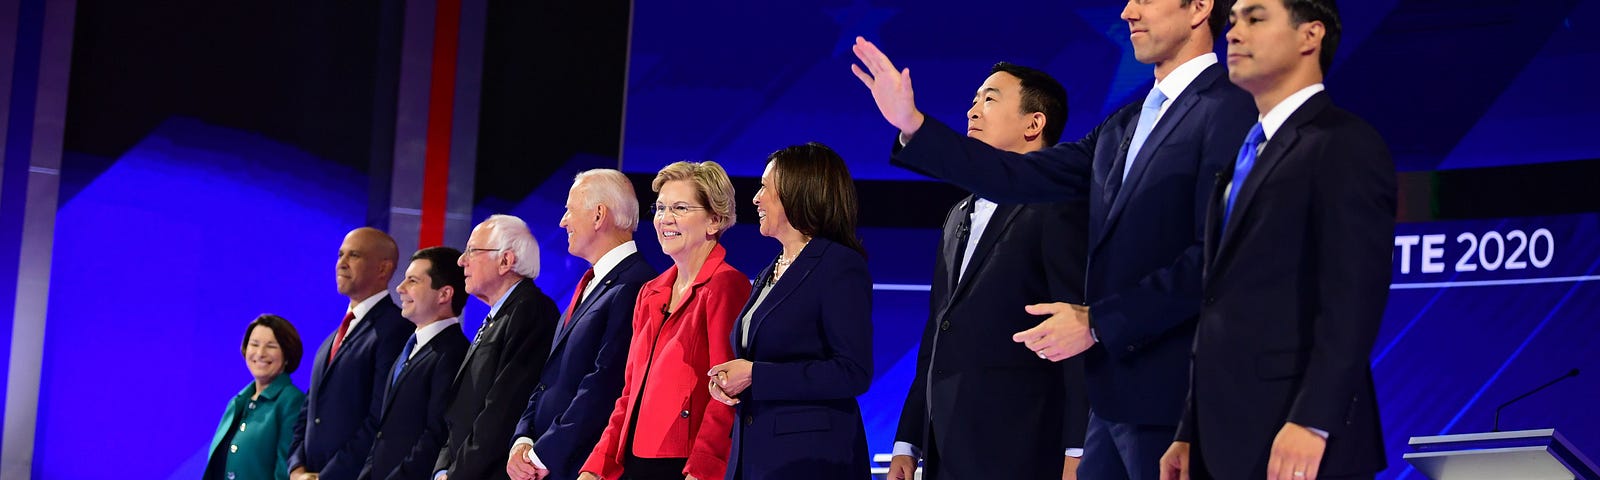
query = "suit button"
x=1132 y=348
x=945 y=326
x=252 y=405
x=241 y=427
x=541 y=387
x=233 y=449
x=230 y=475
x=684 y=414
x=317 y=421
x=749 y=420
x=378 y=436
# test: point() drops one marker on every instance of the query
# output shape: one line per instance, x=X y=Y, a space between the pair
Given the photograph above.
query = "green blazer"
x=252 y=442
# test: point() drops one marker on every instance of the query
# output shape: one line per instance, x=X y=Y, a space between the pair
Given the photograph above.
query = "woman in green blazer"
x=252 y=442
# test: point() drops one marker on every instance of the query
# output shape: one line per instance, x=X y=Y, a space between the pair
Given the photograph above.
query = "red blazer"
x=677 y=418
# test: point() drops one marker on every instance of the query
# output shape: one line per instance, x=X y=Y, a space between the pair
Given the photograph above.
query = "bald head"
x=366 y=260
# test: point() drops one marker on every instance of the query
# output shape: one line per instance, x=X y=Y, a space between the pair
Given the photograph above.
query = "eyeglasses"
x=678 y=210
x=471 y=250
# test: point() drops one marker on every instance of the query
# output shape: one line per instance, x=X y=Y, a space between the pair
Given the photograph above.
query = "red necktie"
x=338 y=337
x=578 y=294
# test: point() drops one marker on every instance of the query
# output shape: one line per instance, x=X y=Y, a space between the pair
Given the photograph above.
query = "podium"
x=1524 y=454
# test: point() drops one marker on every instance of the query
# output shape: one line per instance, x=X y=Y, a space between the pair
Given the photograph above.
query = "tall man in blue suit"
x=1147 y=171
x=507 y=353
x=335 y=434
x=583 y=377
x=1298 y=249
x=993 y=258
x=410 y=425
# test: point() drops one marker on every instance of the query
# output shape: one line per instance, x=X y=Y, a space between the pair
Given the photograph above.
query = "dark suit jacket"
x=666 y=374
x=1143 y=281
x=335 y=433
x=583 y=376
x=494 y=382
x=811 y=346
x=411 y=426
x=1294 y=291
x=1028 y=254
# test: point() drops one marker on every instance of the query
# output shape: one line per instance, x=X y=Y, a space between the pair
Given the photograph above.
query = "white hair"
x=612 y=189
x=511 y=233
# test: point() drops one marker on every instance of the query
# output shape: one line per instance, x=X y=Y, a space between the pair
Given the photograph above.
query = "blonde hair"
x=711 y=184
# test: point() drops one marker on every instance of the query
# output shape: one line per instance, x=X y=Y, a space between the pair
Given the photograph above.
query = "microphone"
x=1569 y=374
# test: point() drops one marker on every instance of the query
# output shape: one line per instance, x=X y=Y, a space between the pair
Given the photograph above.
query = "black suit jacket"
x=1031 y=409
x=1294 y=291
x=583 y=377
x=411 y=426
x=335 y=432
x=493 y=385
x=1143 y=280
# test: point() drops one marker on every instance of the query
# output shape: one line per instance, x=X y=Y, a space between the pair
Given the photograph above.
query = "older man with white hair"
x=507 y=353
x=583 y=377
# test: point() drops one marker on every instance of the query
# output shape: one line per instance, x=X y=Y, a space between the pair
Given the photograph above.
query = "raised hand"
x=891 y=87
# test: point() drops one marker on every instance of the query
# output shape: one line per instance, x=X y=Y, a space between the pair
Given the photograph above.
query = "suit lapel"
x=361 y=327
x=1273 y=154
x=1164 y=127
x=792 y=278
x=590 y=300
x=953 y=244
x=1003 y=214
x=423 y=355
x=511 y=303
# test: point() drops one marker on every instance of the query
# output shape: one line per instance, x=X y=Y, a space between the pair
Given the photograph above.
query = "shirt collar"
x=365 y=306
x=431 y=330
x=1273 y=120
x=495 y=309
x=1180 y=78
x=610 y=260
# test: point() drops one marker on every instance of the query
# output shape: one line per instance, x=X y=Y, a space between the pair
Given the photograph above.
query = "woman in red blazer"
x=665 y=426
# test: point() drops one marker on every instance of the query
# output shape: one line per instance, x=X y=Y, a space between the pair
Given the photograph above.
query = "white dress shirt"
x=1179 y=79
x=427 y=333
x=361 y=309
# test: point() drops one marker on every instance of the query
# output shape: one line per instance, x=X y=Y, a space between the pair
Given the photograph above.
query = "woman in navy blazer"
x=804 y=340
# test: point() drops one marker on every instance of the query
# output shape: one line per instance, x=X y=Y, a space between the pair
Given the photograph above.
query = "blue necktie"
x=1241 y=168
x=405 y=357
x=1147 y=122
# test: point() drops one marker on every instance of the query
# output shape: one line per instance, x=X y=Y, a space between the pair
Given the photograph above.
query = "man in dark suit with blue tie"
x=334 y=435
x=1298 y=249
x=994 y=258
x=583 y=377
x=410 y=425
x=508 y=352
x=1146 y=171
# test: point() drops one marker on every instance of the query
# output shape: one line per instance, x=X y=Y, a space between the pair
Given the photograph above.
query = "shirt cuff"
x=438 y=474
x=532 y=457
x=904 y=448
x=1320 y=432
x=901 y=137
x=1075 y=452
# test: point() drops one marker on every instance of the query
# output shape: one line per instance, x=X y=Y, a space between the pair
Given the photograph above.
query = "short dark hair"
x=817 y=193
x=1218 y=21
x=442 y=270
x=282 y=331
x=1325 y=11
x=1040 y=93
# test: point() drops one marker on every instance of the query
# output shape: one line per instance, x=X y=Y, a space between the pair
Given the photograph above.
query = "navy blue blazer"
x=811 y=346
x=583 y=377
x=1143 y=281
x=1295 y=289
x=411 y=424
x=1028 y=254
x=335 y=432
x=494 y=383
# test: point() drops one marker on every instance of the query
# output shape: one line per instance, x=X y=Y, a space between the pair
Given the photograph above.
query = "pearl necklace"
x=784 y=262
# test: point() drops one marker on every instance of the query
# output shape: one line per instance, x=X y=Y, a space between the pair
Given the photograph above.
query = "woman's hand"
x=731 y=378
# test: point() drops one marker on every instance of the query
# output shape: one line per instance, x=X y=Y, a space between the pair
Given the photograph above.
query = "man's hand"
x=1069 y=469
x=1064 y=334
x=902 y=467
x=442 y=476
x=518 y=467
x=891 y=88
x=1296 y=453
x=1175 y=463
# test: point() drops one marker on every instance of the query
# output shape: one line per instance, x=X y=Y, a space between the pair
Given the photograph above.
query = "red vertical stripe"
x=441 y=120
